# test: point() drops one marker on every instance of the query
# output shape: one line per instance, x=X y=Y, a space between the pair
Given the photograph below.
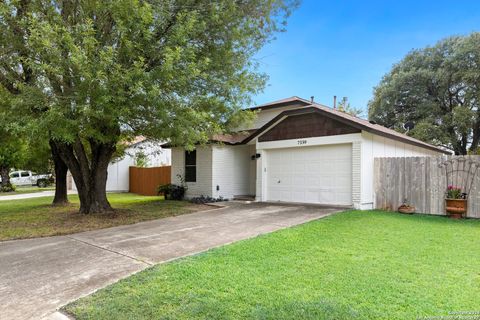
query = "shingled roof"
x=282 y=103
x=235 y=138
x=244 y=137
x=346 y=118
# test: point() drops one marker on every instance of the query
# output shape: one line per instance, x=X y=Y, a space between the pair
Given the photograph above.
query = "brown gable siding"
x=306 y=126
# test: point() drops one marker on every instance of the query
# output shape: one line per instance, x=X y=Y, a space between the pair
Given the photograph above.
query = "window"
x=191 y=166
x=24 y=174
x=14 y=175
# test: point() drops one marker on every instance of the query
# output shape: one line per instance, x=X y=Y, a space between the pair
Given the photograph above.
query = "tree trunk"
x=89 y=173
x=475 y=136
x=61 y=171
x=4 y=173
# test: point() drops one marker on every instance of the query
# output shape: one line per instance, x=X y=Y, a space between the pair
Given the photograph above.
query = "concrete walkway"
x=38 y=276
x=49 y=193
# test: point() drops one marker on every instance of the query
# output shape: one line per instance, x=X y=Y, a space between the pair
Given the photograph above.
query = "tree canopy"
x=438 y=89
x=12 y=154
x=345 y=106
x=12 y=147
x=91 y=73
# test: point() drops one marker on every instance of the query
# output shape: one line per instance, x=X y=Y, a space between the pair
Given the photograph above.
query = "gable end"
x=306 y=126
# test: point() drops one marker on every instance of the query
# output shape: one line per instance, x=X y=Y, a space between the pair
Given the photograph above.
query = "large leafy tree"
x=345 y=106
x=15 y=75
x=12 y=148
x=12 y=154
x=438 y=90
x=106 y=71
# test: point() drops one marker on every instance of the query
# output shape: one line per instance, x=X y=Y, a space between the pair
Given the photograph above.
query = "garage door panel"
x=343 y=197
x=299 y=180
x=301 y=167
x=278 y=193
x=312 y=181
x=327 y=197
x=339 y=182
x=285 y=194
x=310 y=174
x=327 y=166
x=298 y=157
x=311 y=197
x=299 y=195
x=340 y=163
x=328 y=183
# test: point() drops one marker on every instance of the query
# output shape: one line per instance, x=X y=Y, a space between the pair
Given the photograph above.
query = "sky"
x=344 y=48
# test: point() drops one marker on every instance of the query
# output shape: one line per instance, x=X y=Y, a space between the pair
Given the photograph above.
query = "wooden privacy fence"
x=422 y=181
x=145 y=181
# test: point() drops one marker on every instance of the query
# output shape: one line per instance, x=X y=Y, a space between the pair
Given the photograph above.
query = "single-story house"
x=118 y=178
x=296 y=151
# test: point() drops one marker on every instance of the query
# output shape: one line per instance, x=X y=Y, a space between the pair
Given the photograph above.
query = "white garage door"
x=321 y=174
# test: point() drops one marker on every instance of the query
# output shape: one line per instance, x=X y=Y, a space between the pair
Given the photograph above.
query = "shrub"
x=42 y=183
x=206 y=199
x=8 y=188
x=172 y=191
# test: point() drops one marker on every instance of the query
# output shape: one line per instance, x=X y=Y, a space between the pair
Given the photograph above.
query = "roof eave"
x=297 y=100
x=359 y=126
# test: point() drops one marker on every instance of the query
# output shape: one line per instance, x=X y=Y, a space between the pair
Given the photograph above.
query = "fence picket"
x=145 y=181
x=422 y=181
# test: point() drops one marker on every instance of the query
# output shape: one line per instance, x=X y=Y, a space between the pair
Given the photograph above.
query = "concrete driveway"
x=40 y=275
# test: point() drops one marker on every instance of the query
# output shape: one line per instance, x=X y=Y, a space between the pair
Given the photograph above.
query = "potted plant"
x=172 y=191
x=455 y=202
x=406 y=208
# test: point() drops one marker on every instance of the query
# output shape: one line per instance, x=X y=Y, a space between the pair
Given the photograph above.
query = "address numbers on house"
x=301 y=142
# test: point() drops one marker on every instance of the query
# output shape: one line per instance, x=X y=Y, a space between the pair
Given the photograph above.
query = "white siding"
x=253 y=171
x=374 y=146
x=227 y=167
x=261 y=176
x=156 y=155
x=178 y=165
x=118 y=178
x=231 y=170
x=203 y=185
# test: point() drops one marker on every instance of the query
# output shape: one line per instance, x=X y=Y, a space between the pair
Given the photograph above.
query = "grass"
x=353 y=265
x=29 y=189
x=35 y=217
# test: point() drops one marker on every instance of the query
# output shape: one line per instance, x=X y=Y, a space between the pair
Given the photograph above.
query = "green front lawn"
x=28 y=189
x=353 y=265
x=35 y=217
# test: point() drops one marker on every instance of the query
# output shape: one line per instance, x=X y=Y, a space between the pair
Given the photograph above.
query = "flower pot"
x=456 y=208
x=406 y=209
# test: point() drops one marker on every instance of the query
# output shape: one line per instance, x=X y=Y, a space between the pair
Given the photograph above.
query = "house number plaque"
x=301 y=142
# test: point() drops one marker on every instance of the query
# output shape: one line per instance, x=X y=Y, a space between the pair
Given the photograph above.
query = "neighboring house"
x=118 y=170
x=296 y=151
